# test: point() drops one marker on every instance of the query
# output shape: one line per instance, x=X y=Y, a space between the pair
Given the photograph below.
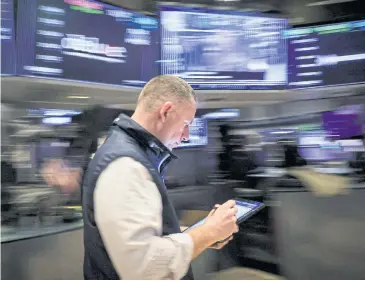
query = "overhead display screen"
x=86 y=41
x=7 y=38
x=198 y=134
x=326 y=55
x=215 y=49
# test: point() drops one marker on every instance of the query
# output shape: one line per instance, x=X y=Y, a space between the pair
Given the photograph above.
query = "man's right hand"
x=222 y=221
x=219 y=225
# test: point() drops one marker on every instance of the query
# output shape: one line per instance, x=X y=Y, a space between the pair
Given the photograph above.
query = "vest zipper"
x=162 y=161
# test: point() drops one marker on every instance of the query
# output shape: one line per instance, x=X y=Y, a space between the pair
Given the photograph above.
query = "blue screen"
x=86 y=41
x=214 y=49
x=7 y=38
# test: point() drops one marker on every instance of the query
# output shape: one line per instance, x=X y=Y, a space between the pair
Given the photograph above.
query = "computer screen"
x=345 y=122
x=216 y=49
x=7 y=38
x=317 y=144
x=314 y=143
x=326 y=55
x=86 y=41
x=198 y=134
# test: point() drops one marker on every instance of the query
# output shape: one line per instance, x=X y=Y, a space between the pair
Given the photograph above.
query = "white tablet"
x=245 y=208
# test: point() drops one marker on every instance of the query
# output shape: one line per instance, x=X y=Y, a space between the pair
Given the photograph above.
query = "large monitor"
x=326 y=55
x=7 y=38
x=86 y=41
x=216 y=49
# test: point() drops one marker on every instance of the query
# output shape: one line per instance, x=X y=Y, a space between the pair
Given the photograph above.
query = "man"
x=131 y=230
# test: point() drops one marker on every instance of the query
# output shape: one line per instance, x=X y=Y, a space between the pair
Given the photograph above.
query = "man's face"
x=176 y=121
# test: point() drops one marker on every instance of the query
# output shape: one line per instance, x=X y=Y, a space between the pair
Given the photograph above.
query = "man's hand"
x=219 y=225
x=222 y=220
x=56 y=173
x=221 y=245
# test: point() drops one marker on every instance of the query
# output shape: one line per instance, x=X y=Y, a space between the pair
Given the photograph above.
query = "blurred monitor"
x=198 y=132
x=225 y=113
x=57 y=120
x=7 y=38
x=220 y=49
x=86 y=41
x=273 y=140
x=49 y=112
x=345 y=122
x=276 y=134
x=326 y=55
x=316 y=146
x=50 y=149
x=313 y=142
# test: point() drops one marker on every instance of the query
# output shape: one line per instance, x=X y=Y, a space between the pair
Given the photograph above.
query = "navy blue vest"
x=125 y=139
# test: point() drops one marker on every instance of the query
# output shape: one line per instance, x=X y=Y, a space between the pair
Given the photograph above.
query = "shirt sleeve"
x=128 y=213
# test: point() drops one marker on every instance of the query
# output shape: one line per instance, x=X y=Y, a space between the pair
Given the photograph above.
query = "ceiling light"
x=77 y=97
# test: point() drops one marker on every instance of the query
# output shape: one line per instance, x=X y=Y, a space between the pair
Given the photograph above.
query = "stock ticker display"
x=86 y=41
x=326 y=55
x=7 y=38
x=214 y=49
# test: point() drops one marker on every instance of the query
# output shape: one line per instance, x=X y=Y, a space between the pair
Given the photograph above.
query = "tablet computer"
x=246 y=209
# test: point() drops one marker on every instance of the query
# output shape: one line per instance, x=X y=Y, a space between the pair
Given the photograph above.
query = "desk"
x=9 y=234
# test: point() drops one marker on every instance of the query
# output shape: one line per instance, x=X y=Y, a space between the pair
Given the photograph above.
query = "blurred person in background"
x=67 y=173
x=242 y=160
x=131 y=230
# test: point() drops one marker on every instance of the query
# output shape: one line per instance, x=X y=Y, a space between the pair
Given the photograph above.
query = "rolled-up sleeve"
x=128 y=213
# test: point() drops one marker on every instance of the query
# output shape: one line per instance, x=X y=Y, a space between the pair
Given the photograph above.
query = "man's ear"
x=165 y=110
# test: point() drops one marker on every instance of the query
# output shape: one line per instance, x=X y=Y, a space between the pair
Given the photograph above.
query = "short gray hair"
x=164 y=87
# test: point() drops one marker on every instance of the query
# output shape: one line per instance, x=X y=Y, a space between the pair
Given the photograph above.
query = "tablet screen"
x=245 y=210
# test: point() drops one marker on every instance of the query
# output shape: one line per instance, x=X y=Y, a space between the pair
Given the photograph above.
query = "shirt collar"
x=144 y=137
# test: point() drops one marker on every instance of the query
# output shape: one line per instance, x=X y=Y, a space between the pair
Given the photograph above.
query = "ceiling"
x=48 y=93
